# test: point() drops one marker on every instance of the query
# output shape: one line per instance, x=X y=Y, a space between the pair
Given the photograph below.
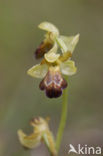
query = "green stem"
x=52 y=153
x=63 y=118
x=47 y=143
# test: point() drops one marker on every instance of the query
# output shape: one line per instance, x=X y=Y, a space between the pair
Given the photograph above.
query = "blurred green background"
x=20 y=97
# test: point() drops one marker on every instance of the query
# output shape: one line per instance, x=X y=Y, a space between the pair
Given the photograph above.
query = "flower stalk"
x=63 y=117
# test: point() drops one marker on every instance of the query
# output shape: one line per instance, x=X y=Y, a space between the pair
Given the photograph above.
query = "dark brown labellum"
x=42 y=49
x=53 y=84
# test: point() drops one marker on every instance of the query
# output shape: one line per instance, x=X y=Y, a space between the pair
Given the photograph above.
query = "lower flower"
x=40 y=134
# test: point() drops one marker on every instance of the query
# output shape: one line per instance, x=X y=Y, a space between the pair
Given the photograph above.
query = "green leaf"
x=70 y=42
x=38 y=71
x=68 y=68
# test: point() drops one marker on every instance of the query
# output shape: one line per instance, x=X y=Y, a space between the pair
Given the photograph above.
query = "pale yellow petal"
x=47 y=26
x=52 y=56
x=38 y=71
x=30 y=141
x=68 y=67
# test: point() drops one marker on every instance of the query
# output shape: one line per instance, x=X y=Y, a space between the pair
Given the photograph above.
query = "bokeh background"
x=20 y=98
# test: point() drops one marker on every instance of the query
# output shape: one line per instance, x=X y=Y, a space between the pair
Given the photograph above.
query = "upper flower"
x=54 y=64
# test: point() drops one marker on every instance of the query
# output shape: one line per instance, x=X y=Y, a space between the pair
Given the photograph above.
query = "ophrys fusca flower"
x=55 y=63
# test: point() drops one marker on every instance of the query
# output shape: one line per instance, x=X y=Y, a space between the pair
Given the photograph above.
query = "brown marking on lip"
x=53 y=84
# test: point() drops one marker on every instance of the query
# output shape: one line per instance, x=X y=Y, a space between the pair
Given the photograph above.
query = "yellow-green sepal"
x=47 y=26
x=68 y=67
x=70 y=42
x=38 y=71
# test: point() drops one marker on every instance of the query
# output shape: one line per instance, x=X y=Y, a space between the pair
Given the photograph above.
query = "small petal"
x=68 y=67
x=70 y=42
x=44 y=47
x=51 y=56
x=30 y=141
x=61 y=44
x=49 y=27
x=38 y=71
